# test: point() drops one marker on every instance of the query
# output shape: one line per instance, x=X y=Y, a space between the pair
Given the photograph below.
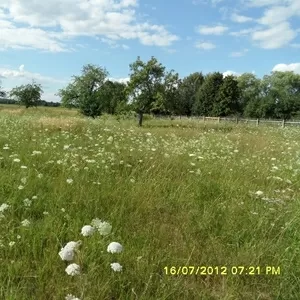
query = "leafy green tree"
x=227 y=99
x=111 y=93
x=2 y=93
x=69 y=96
x=167 y=96
x=188 y=89
x=250 y=94
x=145 y=82
x=28 y=95
x=83 y=91
x=207 y=94
x=281 y=91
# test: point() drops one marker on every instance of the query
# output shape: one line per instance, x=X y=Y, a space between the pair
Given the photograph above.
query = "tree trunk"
x=140 y=117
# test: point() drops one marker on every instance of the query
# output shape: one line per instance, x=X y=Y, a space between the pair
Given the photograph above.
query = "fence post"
x=257 y=122
x=218 y=119
x=283 y=123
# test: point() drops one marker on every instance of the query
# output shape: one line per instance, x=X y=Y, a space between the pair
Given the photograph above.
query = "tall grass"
x=177 y=193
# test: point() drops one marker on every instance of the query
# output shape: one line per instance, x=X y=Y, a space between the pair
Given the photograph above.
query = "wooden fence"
x=257 y=122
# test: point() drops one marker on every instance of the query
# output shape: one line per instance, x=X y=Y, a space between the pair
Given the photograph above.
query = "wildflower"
x=110 y=139
x=116 y=267
x=69 y=181
x=20 y=187
x=103 y=227
x=17 y=160
x=23 y=167
x=73 y=269
x=114 y=247
x=36 y=152
x=87 y=230
x=71 y=297
x=24 y=180
x=27 y=202
x=4 y=207
x=40 y=175
x=25 y=223
x=11 y=243
x=34 y=197
x=45 y=213
x=67 y=253
x=259 y=193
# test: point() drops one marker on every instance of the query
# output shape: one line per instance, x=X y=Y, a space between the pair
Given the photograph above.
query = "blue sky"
x=50 y=41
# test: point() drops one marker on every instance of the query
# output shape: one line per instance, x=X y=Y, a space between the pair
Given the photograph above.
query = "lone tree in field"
x=84 y=91
x=145 y=85
x=28 y=95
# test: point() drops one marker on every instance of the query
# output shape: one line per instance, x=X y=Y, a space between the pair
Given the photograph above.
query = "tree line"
x=152 y=89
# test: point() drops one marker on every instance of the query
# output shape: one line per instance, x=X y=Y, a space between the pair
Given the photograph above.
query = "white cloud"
x=275 y=37
x=284 y=67
x=228 y=73
x=240 y=19
x=121 y=80
x=243 y=32
x=205 y=45
x=111 y=19
x=239 y=53
x=20 y=73
x=214 y=30
x=261 y=3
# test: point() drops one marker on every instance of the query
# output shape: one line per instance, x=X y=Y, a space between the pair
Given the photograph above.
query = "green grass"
x=177 y=193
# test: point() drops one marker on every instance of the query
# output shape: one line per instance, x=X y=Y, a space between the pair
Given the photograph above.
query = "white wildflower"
x=69 y=181
x=259 y=193
x=114 y=247
x=66 y=254
x=71 y=297
x=87 y=230
x=4 y=207
x=11 y=243
x=24 y=180
x=17 y=160
x=103 y=227
x=25 y=223
x=116 y=267
x=73 y=269
x=23 y=167
x=27 y=202
x=20 y=187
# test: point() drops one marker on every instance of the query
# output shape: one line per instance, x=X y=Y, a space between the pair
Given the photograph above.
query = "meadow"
x=202 y=211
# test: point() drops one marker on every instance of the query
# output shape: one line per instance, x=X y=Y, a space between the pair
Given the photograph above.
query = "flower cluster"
x=67 y=253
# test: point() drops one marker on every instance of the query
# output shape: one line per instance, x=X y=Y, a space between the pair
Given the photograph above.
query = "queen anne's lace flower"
x=73 y=269
x=115 y=247
x=103 y=227
x=116 y=267
x=3 y=207
x=71 y=297
x=87 y=230
x=68 y=252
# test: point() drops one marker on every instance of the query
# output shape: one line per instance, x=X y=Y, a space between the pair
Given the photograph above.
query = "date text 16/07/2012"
x=222 y=270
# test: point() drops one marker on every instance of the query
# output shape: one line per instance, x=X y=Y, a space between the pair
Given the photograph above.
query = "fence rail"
x=281 y=123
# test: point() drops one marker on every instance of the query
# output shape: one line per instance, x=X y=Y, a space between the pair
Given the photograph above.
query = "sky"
x=50 y=41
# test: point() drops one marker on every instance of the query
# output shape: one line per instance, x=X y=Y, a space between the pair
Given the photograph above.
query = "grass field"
x=219 y=200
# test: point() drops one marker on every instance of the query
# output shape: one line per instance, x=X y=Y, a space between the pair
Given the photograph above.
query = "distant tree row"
x=28 y=95
x=152 y=89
